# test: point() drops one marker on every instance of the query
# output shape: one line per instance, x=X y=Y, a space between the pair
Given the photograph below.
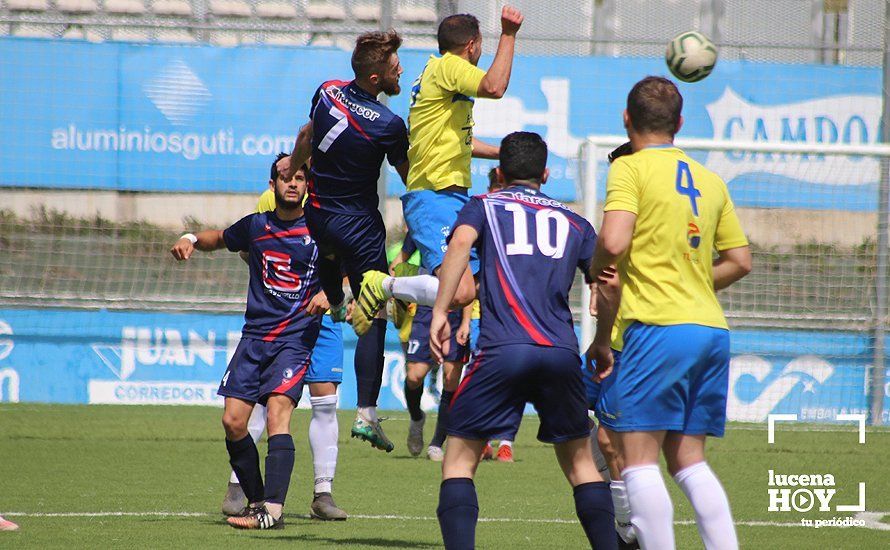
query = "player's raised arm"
x=288 y=166
x=211 y=239
x=482 y=150
x=608 y=298
x=494 y=83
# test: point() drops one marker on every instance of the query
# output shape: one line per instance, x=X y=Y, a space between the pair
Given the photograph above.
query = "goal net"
x=807 y=322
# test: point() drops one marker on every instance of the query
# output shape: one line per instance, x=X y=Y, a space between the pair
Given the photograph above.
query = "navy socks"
x=458 y=511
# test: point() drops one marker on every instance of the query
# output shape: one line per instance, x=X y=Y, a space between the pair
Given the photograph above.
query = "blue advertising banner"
x=198 y=118
x=59 y=356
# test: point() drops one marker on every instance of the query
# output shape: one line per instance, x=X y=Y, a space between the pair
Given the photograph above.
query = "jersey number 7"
x=335 y=131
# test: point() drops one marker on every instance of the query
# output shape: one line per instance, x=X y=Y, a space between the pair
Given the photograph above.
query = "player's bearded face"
x=289 y=194
x=389 y=79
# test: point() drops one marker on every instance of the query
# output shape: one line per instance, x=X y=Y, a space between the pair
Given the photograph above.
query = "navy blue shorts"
x=419 y=341
x=357 y=241
x=491 y=398
x=258 y=369
x=671 y=378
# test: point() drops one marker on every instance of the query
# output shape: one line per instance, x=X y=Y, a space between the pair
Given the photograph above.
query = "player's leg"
x=330 y=270
x=556 y=389
x=685 y=451
x=610 y=464
x=325 y=374
x=458 y=509
x=240 y=386
x=280 y=458
x=415 y=373
x=233 y=502
x=451 y=371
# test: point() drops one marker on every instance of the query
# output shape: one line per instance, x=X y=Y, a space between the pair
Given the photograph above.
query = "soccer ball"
x=691 y=56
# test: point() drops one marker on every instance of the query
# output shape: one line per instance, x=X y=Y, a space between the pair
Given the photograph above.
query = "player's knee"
x=235 y=425
x=451 y=376
x=414 y=374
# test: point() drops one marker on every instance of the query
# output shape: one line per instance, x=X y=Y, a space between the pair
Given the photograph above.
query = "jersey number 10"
x=546 y=244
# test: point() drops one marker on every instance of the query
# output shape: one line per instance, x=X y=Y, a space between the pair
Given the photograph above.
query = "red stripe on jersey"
x=273 y=334
x=463 y=383
x=517 y=310
x=295 y=379
x=295 y=232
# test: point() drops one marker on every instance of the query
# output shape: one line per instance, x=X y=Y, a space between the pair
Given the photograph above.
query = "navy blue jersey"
x=283 y=276
x=529 y=246
x=352 y=133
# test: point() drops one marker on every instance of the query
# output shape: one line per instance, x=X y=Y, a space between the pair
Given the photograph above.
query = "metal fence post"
x=878 y=368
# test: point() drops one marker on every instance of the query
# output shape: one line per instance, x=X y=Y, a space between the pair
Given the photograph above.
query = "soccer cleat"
x=6 y=525
x=487 y=452
x=505 y=453
x=257 y=518
x=371 y=432
x=370 y=300
x=233 y=503
x=323 y=508
x=400 y=307
x=435 y=453
x=415 y=436
x=624 y=545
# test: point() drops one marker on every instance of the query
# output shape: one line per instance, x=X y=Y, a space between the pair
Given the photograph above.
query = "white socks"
x=505 y=443
x=420 y=289
x=708 y=499
x=368 y=413
x=255 y=427
x=323 y=433
x=651 y=510
x=622 y=510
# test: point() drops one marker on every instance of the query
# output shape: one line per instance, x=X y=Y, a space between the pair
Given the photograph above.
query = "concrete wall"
x=766 y=227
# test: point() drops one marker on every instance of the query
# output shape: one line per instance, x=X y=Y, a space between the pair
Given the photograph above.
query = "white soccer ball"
x=691 y=56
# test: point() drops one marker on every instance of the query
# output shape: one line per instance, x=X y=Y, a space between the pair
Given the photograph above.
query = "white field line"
x=162 y=514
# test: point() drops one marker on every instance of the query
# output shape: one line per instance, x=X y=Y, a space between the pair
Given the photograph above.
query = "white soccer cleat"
x=415 y=436
x=436 y=454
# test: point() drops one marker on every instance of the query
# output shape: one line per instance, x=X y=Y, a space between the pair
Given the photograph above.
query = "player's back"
x=352 y=134
x=683 y=213
x=529 y=246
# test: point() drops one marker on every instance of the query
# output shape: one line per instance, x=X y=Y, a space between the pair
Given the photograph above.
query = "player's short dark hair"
x=273 y=172
x=654 y=105
x=493 y=176
x=373 y=50
x=523 y=157
x=456 y=30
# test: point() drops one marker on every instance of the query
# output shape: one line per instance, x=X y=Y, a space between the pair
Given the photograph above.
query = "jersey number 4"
x=547 y=245
x=685 y=185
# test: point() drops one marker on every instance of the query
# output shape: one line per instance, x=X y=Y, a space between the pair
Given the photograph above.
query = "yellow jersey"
x=440 y=123
x=684 y=213
x=266 y=202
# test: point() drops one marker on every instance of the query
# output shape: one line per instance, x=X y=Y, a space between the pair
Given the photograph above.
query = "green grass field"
x=65 y=471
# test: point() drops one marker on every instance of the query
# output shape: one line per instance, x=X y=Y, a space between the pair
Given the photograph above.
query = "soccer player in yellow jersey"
x=441 y=143
x=665 y=216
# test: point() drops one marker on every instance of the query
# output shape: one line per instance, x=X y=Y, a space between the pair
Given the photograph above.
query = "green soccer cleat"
x=372 y=433
x=370 y=300
x=400 y=307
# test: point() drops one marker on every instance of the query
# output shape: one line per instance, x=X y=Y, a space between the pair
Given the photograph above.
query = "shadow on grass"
x=368 y=542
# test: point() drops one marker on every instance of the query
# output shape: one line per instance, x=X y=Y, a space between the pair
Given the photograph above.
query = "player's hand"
x=395 y=261
x=318 y=304
x=440 y=335
x=511 y=20
x=183 y=249
x=285 y=170
x=599 y=357
x=350 y=307
x=463 y=334
x=592 y=306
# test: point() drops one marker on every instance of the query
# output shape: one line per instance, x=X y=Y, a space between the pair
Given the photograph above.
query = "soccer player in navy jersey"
x=269 y=367
x=529 y=246
x=348 y=136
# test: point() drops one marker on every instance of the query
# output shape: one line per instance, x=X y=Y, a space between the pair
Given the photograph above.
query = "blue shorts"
x=419 y=341
x=673 y=378
x=474 y=333
x=326 y=364
x=259 y=368
x=491 y=398
x=357 y=241
x=594 y=388
x=430 y=216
